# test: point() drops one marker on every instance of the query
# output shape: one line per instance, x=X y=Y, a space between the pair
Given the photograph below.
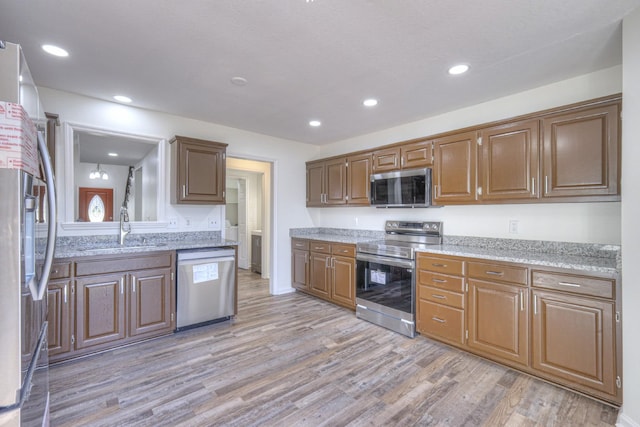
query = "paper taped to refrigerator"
x=18 y=139
x=205 y=272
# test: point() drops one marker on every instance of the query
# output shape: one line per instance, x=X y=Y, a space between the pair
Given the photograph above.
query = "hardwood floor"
x=293 y=360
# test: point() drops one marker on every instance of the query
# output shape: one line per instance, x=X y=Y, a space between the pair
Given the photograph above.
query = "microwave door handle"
x=51 y=230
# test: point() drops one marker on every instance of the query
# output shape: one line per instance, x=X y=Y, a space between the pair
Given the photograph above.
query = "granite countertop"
x=81 y=246
x=591 y=258
x=607 y=266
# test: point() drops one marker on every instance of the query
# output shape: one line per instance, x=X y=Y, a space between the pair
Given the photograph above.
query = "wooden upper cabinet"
x=315 y=184
x=509 y=161
x=410 y=155
x=358 y=179
x=336 y=181
x=339 y=181
x=387 y=159
x=455 y=171
x=418 y=154
x=198 y=172
x=581 y=152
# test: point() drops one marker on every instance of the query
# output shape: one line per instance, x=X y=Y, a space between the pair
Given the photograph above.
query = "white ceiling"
x=95 y=148
x=312 y=60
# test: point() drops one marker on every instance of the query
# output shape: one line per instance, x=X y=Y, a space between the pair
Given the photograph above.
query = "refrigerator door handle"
x=51 y=221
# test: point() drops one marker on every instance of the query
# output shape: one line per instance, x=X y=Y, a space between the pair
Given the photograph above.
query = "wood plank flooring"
x=293 y=360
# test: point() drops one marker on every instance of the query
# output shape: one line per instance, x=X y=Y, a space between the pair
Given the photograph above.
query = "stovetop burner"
x=403 y=238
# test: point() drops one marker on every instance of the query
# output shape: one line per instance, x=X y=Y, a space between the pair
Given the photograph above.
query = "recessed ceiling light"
x=54 y=50
x=371 y=102
x=315 y=123
x=122 y=98
x=239 y=81
x=458 y=69
x=113 y=154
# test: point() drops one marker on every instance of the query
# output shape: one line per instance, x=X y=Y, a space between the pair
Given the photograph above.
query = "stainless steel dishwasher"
x=205 y=287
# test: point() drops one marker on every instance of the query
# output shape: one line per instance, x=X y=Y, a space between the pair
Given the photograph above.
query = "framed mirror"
x=102 y=168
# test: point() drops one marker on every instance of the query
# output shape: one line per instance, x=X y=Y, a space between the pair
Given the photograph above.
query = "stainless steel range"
x=385 y=274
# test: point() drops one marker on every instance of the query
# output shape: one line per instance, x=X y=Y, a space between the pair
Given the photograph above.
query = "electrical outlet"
x=187 y=222
x=213 y=223
x=514 y=226
x=173 y=222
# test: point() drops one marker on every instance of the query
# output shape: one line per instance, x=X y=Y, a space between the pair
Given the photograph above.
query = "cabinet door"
x=454 y=177
x=509 y=161
x=358 y=179
x=300 y=269
x=59 y=316
x=336 y=188
x=573 y=339
x=100 y=309
x=343 y=287
x=315 y=184
x=497 y=321
x=418 y=154
x=201 y=173
x=386 y=160
x=319 y=275
x=150 y=302
x=581 y=153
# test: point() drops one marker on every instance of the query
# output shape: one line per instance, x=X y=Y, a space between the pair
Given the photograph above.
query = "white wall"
x=288 y=159
x=571 y=222
x=630 y=214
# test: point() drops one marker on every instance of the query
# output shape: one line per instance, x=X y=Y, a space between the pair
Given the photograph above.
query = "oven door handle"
x=385 y=260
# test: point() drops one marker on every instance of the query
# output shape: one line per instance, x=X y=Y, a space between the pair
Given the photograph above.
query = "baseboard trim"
x=624 y=420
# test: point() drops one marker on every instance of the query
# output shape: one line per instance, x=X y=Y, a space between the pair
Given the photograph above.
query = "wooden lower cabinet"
x=498 y=321
x=100 y=310
x=59 y=316
x=331 y=270
x=574 y=340
x=300 y=264
x=150 y=302
x=113 y=300
x=557 y=324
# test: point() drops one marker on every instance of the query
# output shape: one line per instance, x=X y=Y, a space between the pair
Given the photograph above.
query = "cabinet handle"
x=521 y=301
x=122 y=285
x=546 y=184
x=438 y=296
x=333 y=263
x=326 y=263
x=533 y=186
x=439 y=320
x=495 y=273
x=535 y=304
x=65 y=294
x=184 y=190
x=439 y=265
x=573 y=285
x=133 y=283
x=439 y=281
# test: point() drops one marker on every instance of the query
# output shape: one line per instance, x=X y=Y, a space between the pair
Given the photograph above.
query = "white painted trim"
x=68 y=210
x=285 y=291
x=625 y=421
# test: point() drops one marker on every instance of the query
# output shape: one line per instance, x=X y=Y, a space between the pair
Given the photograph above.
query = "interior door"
x=95 y=204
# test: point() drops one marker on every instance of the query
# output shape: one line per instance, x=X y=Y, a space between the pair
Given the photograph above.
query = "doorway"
x=248 y=211
x=95 y=204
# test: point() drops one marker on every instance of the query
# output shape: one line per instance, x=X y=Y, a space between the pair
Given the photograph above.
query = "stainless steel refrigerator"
x=27 y=242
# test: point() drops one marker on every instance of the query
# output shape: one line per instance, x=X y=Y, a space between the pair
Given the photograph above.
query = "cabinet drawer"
x=104 y=265
x=344 y=250
x=60 y=270
x=300 y=244
x=583 y=285
x=441 y=265
x=502 y=273
x=322 y=247
x=440 y=296
x=442 y=321
x=450 y=283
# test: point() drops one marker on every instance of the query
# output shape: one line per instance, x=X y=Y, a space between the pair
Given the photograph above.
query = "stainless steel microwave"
x=402 y=189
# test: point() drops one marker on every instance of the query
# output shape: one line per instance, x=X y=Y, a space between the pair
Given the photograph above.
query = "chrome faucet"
x=125 y=226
